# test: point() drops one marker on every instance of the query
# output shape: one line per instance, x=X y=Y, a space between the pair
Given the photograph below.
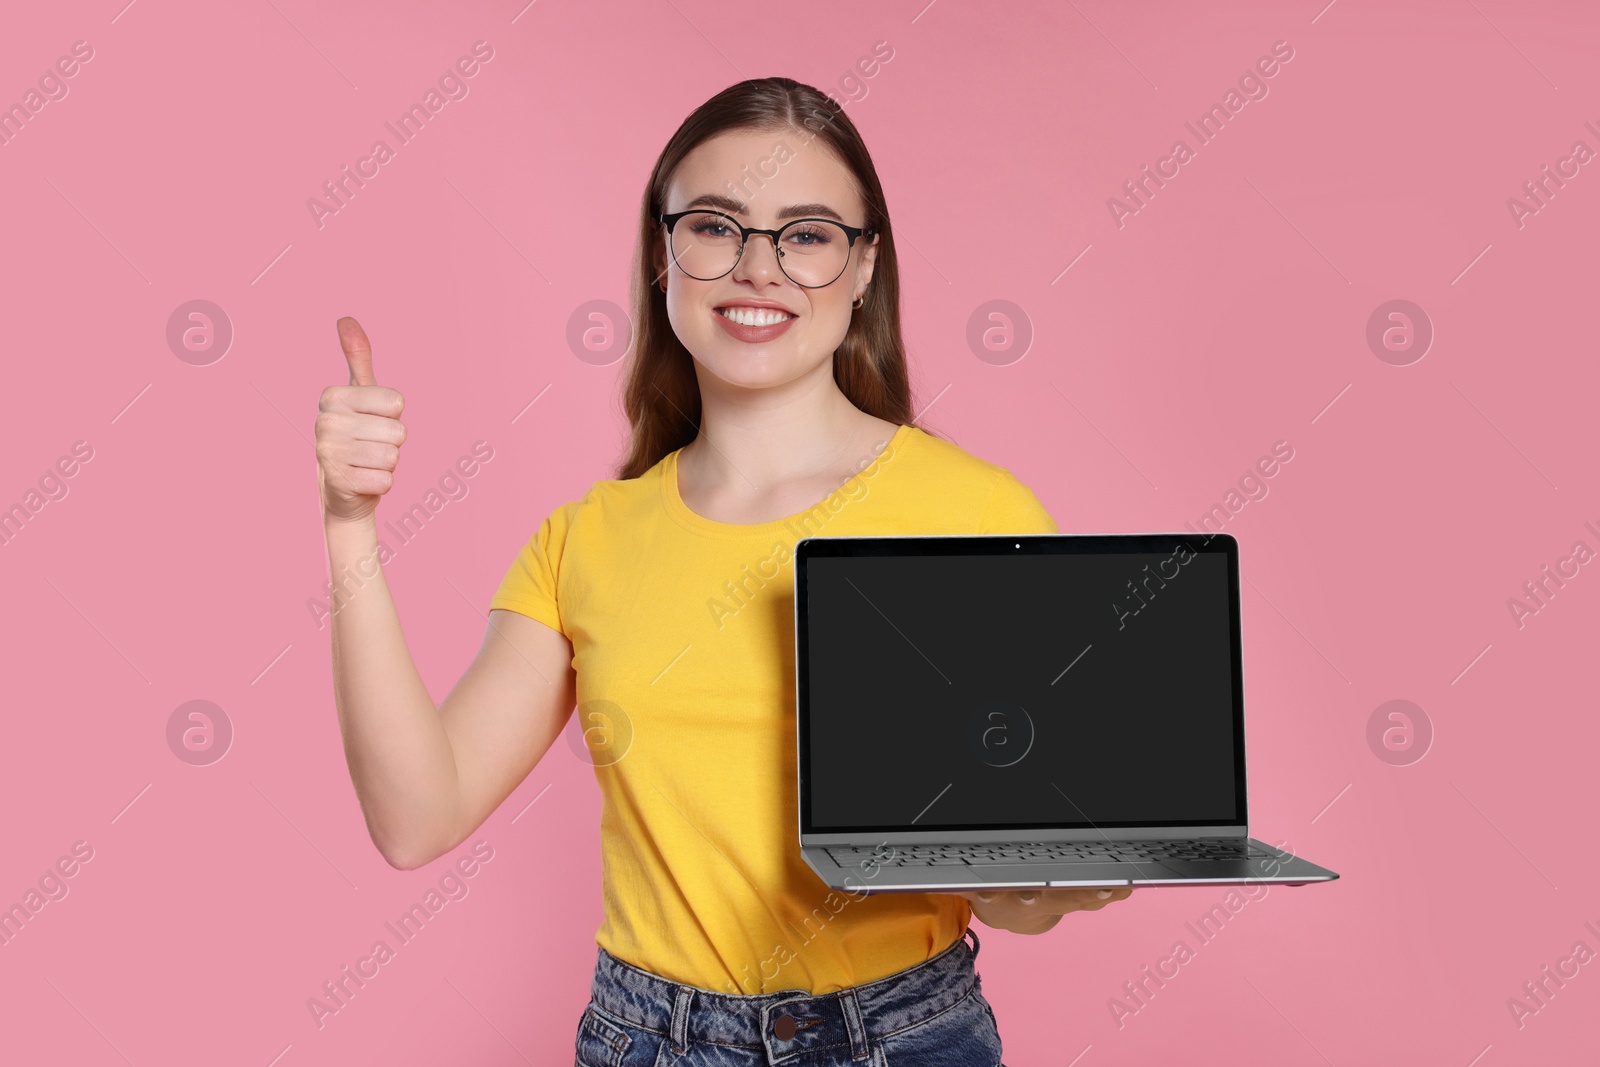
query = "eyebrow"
x=737 y=207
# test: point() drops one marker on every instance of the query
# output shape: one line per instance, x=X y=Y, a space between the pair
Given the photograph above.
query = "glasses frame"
x=745 y=232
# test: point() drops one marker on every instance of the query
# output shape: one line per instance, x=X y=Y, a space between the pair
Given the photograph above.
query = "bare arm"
x=426 y=776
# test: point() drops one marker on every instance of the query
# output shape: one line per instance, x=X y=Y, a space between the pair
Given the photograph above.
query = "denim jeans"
x=933 y=1014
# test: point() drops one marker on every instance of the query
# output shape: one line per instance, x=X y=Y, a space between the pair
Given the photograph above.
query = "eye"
x=711 y=226
x=808 y=235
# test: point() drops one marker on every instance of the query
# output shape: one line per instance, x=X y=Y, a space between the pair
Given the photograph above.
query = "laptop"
x=1011 y=711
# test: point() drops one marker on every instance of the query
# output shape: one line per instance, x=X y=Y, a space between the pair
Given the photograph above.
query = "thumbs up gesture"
x=358 y=432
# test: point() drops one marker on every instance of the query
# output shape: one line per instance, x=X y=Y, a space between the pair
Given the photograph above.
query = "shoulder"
x=608 y=508
x=610 y=499
x=988 y=491
x=960 y=472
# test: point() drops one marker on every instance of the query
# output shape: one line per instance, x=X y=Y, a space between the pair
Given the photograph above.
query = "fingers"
x=355 y=426
x=1099 y=898
x=357 y=351
x=1094 y=900
x=346 y=455
x=371 y=455
x=367 y=399
x=368 y=482
x=1088 y=896
x=1060 y=901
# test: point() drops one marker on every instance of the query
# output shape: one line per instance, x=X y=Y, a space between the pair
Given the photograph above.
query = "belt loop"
x=680 y=1019
x=859 y=1047
x=974 y=934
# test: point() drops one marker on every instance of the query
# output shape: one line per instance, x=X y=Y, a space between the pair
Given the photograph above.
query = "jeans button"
x=784 y=1027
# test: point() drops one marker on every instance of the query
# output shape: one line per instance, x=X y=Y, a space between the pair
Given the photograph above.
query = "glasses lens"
x=813 y=252
x=705 y=245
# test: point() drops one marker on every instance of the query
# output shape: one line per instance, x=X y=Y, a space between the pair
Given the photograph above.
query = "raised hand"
x=358 y=432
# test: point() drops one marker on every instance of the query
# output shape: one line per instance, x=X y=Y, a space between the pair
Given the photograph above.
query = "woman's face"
x=759 y=178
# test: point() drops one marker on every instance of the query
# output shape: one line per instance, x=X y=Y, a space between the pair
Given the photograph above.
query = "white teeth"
x=755 y=316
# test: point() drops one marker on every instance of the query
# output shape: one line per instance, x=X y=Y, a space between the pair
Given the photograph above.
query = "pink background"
x=1229 y=313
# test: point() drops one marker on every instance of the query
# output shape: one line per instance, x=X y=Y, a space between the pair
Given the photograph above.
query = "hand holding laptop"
x=1033 y=911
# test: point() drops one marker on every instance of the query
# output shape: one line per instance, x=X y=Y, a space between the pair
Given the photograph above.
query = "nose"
x=753 y=263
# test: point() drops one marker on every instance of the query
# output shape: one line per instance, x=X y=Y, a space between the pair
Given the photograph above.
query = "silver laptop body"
x=1011 y=711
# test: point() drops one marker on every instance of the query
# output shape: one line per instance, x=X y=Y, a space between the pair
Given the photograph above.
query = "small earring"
x=858 y=301
x=663 y=285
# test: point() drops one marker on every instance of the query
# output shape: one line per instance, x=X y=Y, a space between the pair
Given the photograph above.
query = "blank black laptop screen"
x=1045 y=689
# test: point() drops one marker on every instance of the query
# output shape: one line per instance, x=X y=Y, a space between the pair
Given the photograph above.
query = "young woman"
x=768 y=400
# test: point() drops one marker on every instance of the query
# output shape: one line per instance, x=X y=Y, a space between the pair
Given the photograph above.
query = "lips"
x=760 y=325
x=754 y=315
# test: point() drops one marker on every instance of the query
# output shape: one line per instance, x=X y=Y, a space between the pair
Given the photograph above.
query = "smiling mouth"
x=748 y=316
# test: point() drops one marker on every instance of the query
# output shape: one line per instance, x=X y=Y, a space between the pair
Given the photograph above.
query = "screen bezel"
x=1005 y=545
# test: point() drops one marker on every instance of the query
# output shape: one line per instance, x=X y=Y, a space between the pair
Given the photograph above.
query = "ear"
x=658 y=261
x=869 y=256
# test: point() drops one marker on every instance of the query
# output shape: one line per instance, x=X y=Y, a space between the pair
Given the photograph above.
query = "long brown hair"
x=661 y=395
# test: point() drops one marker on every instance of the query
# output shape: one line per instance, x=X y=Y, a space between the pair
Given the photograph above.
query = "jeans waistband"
x=788 y=1023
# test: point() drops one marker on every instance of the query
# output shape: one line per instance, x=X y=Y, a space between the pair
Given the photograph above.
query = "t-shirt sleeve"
x=529 y=586
x=1013 y=509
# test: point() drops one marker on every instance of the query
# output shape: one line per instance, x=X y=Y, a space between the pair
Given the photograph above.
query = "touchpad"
x=1215 y=869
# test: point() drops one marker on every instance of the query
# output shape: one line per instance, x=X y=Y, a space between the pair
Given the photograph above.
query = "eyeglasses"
x=811 y=253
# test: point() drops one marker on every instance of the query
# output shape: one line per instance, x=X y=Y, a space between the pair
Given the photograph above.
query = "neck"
x=753 y=439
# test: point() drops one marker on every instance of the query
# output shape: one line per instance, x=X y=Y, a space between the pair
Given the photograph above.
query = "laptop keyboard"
x=1207 y=848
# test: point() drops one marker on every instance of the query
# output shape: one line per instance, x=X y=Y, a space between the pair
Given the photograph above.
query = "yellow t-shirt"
x=682 y=633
